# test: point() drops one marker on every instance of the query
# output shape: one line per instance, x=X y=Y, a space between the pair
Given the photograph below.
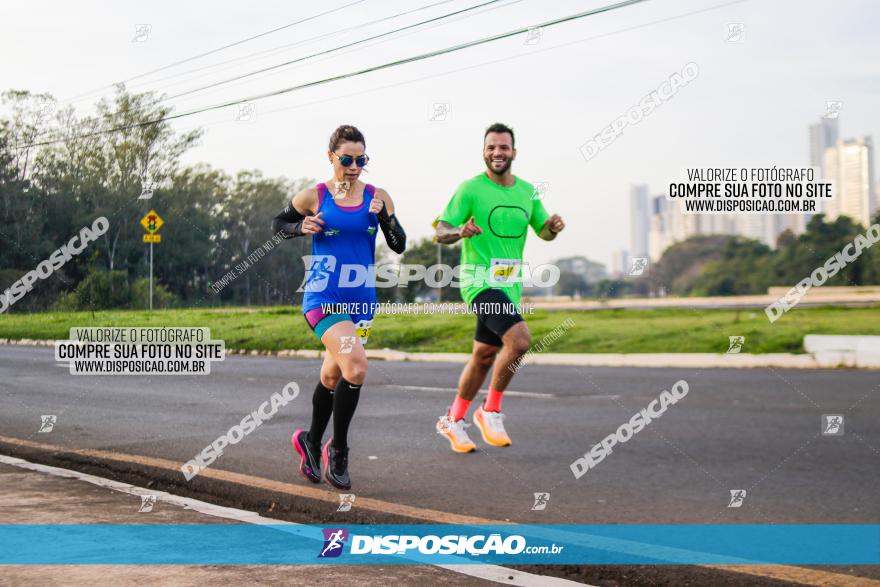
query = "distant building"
x=591 y=271
x=619 y=263
x=823 y=134
x=850 y=164
x=639 y=220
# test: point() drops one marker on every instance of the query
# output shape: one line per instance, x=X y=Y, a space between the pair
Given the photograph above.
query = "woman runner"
x=342 y=216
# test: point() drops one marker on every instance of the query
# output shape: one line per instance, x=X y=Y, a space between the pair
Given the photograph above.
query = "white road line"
x=493 y=573
x=532 y=394
x=482 y=391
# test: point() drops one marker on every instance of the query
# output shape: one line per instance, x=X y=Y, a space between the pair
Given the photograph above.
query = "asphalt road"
x=752 y=429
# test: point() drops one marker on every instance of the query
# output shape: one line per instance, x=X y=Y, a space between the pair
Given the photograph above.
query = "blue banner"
x=291 y=544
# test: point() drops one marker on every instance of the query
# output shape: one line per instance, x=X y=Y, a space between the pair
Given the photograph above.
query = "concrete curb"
x=850 y=351
x=816 y=360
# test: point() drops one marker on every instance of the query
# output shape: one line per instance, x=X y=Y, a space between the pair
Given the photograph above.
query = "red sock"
x=493 y=401
x=459 y=408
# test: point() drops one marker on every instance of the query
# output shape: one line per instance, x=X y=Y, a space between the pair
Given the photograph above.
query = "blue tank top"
x=341 y=266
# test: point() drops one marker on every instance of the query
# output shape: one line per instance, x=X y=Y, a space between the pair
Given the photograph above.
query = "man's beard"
x=502 y=171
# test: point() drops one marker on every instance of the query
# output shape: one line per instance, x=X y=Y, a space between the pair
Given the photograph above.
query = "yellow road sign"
x=152 y=222
x=152 y=238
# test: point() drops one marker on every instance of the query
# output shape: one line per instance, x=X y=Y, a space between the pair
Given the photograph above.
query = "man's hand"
x=555 y=224
x=313 y=224
x=552 y=227
x=470 y=229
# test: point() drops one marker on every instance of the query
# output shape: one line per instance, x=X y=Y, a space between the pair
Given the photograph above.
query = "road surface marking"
x=482 y=391
x=780 y=572
x=487 y=572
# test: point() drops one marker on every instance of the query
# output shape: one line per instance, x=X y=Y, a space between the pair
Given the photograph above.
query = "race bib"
x=504 y=270
x=363 y=328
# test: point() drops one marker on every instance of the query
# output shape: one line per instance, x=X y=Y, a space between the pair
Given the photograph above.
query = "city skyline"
x=849 y=163
x=748 y=105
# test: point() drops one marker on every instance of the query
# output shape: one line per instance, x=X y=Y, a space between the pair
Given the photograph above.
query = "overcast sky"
x=751 y=104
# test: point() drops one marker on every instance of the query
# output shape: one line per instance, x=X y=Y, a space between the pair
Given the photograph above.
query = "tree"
x=425 y=252
x=683 y=263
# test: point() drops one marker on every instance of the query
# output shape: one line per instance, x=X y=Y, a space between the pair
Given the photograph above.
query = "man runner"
x=492 y=213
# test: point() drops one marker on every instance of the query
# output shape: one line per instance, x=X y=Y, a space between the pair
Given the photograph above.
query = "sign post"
x=152 y=222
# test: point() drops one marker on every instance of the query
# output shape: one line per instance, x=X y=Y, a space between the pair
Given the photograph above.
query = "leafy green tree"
x=742 y=269
x=428 y=253
x=682 y=264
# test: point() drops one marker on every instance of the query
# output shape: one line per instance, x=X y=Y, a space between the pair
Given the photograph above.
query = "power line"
x=281 y=48
x=530 y=53
x=333 y=50
x=218 y=49
x=507 y=4
x=390 y=64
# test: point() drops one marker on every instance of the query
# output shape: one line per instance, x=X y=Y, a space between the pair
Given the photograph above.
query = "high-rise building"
x=619 y=263
x=661 y=228
x=639 y=220
x=823 y=134
x=850 y=165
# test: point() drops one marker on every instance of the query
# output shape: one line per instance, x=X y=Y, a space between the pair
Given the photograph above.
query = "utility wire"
x=390 y=64
x=218 y=49
x=333 y=50
x=281 y=48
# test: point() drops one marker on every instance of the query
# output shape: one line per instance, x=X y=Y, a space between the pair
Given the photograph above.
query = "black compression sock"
x=345 y=401
x=322 y=408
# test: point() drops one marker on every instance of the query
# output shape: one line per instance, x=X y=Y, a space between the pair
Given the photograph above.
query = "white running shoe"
x=456 y=434
x=491 y=425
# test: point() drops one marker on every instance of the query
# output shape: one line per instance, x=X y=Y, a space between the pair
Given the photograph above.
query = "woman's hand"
x=376 y=205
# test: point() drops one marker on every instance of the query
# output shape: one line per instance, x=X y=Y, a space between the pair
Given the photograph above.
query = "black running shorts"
x=495 y=315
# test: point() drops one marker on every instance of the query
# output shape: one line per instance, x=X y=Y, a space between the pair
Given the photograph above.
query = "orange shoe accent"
x=444 y=430
x=489 y=436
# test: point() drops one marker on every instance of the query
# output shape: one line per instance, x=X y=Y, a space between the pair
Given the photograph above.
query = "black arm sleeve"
x=288 y=223
x=393 y=231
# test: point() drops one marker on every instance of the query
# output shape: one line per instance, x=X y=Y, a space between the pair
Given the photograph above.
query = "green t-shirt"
x=494 y=258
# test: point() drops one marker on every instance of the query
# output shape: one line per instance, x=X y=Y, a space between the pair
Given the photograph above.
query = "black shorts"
x=495 y=315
